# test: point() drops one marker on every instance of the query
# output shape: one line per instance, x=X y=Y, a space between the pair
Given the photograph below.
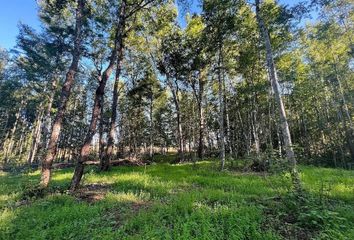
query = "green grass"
x=163 y=201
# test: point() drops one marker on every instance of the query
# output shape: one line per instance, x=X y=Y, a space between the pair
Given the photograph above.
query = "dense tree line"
x=112 y=79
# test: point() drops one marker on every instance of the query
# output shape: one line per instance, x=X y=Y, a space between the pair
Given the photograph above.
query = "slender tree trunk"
x=201 y=132
x=65 y=94
x=8 y=144
x=4 y=132
x=255 y=133
x=151 y=127
x=180 y=134
x=20 y=143
x=228 y=127
x=201 y=115
x=254 y=120
x=221 y=112
x=276 y=89
x=270 y=124
x=85 y=150
x=100 y=140
x=36 y=138
x=112 y=127
x=175 y=92
x=47 y=118
x=349 y=130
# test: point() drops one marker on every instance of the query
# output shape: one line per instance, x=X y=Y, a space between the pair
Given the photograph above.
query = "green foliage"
x=306 y=216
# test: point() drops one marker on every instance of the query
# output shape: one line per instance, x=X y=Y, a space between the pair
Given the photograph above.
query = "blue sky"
x=14 y=11
x=11 y=13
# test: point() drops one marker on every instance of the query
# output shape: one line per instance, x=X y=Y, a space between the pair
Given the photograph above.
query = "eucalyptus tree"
x=290 y=155
x=338 y=18
x=118 y=30
x=173 y=66
x=326 y=47
x=151 y=90
x=197 y=70
x=125 y=12
x=220 y=21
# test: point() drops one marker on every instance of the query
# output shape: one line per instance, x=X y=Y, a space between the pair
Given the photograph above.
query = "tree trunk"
x=65 y=94
x=221 y=112
x=201 y=115
x=112 y=127
x=180 y=135
x=151 y=127
x=276 y=89
x=10 y=140
x=85 y=150
x=175 y=92
x=228 y=127
x=100 y=139
x=349 y=130
x=47 y=118
x=36 y=138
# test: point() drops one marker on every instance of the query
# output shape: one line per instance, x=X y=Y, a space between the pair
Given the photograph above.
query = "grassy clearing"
x=165 y=201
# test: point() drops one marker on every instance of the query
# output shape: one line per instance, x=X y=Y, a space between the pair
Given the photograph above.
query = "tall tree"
x=65 y=92
x=290 y=155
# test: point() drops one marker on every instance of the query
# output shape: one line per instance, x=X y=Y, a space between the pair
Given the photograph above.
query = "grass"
x=164 y=201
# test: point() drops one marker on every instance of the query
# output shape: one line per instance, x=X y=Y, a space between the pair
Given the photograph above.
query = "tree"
x=290 y=155
x=80 y=16
x=126 y=11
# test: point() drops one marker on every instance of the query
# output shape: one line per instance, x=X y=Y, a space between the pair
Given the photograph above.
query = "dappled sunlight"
x=110 y=178
x=34 y=173
x=6 y=216
x=336 y=183
x=59 y=176
x=6 y=199
x=177 y=119
x=342 y=191
x=127 y=197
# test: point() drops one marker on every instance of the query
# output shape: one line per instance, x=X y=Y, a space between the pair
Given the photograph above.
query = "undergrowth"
x=180 y=201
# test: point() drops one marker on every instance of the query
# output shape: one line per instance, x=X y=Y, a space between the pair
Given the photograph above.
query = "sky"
x=12 y=12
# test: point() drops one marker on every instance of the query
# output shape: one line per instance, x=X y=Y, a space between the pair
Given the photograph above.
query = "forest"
x=179 y=119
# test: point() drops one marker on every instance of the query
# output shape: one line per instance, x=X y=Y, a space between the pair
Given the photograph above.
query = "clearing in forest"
x=183 y=201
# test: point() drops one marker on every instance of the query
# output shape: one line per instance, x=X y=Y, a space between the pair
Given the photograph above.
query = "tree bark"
x=285 y=131
x=10 y=139
x=85 y=150
x=175 y=92
x=151 y=127
x=201 y=115
x=65 y=94
x=112 y=127
x=221 y=112
x=36 y=138
x=100 y=139
x=47 y=118
x=349 y=130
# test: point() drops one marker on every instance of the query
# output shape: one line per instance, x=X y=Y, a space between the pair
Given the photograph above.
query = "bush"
x=303 y=216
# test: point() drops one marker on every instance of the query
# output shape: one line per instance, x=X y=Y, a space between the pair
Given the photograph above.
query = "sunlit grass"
x=335 y=183
x=163 y=201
